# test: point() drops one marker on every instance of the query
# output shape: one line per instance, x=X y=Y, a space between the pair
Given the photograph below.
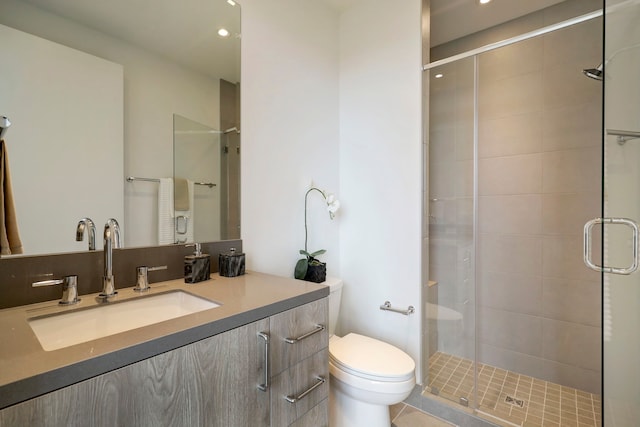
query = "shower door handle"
x=635 y=242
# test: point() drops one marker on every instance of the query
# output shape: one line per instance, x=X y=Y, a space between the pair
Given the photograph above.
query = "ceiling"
x=452 y=19
x=185 y=32
x=188 y=34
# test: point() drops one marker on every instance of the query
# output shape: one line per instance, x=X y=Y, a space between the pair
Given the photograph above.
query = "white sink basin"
x=75 y=327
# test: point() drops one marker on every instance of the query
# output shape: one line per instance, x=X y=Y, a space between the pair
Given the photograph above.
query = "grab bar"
x=387 y=307
x=623 y=135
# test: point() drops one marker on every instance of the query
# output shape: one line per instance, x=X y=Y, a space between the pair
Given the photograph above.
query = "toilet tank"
x=335 y=295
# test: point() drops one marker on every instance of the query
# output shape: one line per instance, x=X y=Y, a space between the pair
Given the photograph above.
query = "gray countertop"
x=27 y=371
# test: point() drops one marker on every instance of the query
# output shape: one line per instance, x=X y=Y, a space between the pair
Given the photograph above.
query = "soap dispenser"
x=197 y=267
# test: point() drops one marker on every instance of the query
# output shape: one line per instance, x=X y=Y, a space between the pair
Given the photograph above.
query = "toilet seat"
x=371 y=359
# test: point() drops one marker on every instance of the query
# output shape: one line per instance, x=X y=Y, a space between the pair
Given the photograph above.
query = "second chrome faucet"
x=111 y=241
x=85 y=224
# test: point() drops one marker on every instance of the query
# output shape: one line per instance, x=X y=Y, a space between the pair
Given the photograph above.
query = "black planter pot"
x=316 y=273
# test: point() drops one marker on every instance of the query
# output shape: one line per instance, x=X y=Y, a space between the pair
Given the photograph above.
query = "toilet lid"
x=370 y=358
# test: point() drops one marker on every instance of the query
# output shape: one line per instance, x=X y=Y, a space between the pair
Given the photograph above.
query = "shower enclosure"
x=519 y=159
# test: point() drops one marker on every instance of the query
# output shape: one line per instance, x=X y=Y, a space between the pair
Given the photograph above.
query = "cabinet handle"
x=292 y=399
x=265 y=386
x=319 y=328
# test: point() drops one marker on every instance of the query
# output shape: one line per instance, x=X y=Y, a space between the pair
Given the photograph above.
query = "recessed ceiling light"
x=483 y=1
x=223 y=32
x=439 y=76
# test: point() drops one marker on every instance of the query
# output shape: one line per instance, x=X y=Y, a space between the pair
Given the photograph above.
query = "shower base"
x=511 y=399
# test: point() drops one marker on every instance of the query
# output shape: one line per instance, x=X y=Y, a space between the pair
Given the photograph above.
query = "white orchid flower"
x=303 y=264
x=333 y=205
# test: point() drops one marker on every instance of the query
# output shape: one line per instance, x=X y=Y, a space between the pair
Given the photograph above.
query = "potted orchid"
x=310 y=268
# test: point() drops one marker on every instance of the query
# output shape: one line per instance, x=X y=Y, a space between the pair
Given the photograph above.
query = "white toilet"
x=367 y=375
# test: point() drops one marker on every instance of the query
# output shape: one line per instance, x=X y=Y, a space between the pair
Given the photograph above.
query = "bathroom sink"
x=75 y=327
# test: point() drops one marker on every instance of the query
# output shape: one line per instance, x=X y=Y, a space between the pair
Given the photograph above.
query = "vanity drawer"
x=298 y=333
x=299 y=395
x=318 y=416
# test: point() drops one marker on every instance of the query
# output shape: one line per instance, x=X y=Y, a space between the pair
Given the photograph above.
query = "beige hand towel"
x=181 y=194
x=9 y=236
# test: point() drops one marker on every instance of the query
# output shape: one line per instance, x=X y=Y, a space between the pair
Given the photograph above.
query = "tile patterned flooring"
x=510 y=399
x=403 y=415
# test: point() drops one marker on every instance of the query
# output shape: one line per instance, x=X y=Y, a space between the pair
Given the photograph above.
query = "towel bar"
x=135 y=178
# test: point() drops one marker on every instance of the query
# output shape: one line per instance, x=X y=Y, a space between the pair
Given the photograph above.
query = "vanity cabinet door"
x=245 y=369
x=296 y=334
x=212 y=382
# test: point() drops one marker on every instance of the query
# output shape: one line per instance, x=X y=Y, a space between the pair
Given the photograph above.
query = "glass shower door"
x=621 y=292
x=450 y=300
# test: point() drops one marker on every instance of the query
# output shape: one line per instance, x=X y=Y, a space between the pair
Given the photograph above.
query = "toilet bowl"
x=367 y=375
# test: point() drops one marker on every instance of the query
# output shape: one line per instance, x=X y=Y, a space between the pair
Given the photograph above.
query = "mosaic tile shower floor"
x=517 y=399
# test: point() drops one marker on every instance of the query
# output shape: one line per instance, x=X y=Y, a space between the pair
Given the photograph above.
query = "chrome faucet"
x=111 y=241
x=86 y=223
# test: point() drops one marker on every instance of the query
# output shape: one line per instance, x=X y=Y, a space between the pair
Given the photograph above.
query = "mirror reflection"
x=91 y=93
x=203 y=157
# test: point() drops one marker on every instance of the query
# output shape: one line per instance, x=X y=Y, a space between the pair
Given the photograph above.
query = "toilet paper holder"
x=387 y=307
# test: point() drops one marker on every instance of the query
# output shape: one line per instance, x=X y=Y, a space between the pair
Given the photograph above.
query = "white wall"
x=289 y=131
x=381 y=169
x=337 y=100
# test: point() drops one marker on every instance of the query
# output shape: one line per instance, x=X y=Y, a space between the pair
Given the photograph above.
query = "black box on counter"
x=231 y=264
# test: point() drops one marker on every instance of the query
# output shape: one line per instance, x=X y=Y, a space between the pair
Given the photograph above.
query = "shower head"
x=4 y=125
x=594 y=73
x=598 y=72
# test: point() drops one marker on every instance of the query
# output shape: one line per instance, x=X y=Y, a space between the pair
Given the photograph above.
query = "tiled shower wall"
x=539 y=181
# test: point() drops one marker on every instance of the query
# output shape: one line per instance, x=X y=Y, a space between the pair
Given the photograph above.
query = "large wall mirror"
x=98 y=92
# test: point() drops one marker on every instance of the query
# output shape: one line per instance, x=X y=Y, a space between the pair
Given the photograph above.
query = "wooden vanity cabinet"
x=213 y=382
x=209 y=383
